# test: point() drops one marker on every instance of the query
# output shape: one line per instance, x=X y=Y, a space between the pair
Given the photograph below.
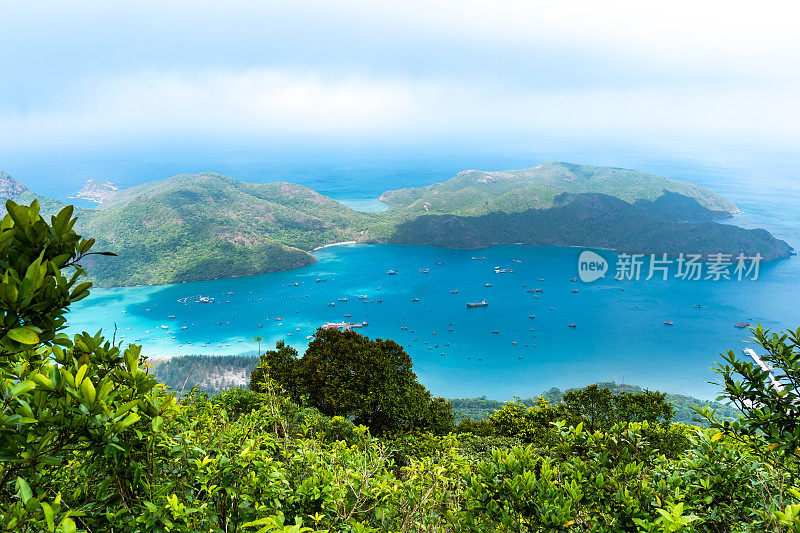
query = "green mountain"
x=205 y=226
x=10 y=189
x=475 y=192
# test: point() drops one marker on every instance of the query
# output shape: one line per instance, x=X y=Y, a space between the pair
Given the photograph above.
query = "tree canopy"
x=368 y=381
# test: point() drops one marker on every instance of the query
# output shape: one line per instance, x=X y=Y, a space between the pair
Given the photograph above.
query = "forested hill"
x=203 y=226
x=475 y=192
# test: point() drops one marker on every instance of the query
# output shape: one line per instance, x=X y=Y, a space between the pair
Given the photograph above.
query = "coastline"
x=333 y=244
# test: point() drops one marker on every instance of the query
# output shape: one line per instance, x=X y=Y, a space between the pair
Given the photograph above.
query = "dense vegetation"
x=683 y=406
x=205 y=226
x=91 y=442
x=210 y=373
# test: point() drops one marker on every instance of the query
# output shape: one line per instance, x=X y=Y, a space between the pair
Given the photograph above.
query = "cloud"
x=94 y=72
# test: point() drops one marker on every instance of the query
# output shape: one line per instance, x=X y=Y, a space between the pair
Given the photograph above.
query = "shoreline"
x=333 y=244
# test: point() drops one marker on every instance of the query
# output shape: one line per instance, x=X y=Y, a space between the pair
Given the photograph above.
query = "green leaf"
x=24 y=490
x=23 y=336
x=48 y=516
x=22 y=387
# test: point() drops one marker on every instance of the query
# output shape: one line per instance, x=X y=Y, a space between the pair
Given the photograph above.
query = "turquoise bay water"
x=619 y=334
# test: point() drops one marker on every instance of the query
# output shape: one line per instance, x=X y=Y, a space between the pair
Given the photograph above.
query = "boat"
x=539 y=290
x=342 y=299
x=425 y=270
x=741 y=324
x=332 y=304
x=513 y=342
x=206 y=300
x=414 y=299
x=541 y=279
x=517 y=260
x=164 y=327
x=483 y=303
x=669 y=323
x=320 y=280
x=391 y=272
x=348 y=316
x=479 y=258
x=379 y=300
x=487 y=285
x=573 y=325
x=573 y=279
x=498 y=270
x=496 y=332
x=531 y=290
x=171 y=316
x=183 y=327
x=698 y=306
x=531 y=316
x=363 y=296
x=454 y=291
x=437 y=262
x=404 y=328
x=574 y=290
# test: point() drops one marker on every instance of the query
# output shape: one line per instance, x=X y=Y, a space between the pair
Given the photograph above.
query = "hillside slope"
x=475 y=192
x=203 y=226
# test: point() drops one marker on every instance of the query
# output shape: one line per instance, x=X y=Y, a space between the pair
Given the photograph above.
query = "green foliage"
x=368 y=381
x=70 y=407
x=768 y=400
x=212 y=373
x=683 y=406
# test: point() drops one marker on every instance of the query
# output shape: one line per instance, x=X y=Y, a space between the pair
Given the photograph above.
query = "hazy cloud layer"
x=96 y=72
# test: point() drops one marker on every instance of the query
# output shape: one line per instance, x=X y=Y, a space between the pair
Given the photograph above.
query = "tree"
x=368 y=381
x=599 y=408
x=68 y=407
x=769 y=401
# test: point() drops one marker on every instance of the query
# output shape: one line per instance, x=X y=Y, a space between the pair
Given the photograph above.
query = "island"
x=195 y=227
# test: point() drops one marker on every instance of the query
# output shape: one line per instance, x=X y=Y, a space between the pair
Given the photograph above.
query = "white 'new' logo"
x=591 y=266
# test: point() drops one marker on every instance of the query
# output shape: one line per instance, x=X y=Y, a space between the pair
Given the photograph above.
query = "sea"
x=569 y=333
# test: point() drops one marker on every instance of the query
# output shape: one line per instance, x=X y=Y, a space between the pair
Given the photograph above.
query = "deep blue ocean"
x=620 y=335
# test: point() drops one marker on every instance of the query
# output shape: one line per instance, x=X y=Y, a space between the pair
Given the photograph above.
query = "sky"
x=96 y=74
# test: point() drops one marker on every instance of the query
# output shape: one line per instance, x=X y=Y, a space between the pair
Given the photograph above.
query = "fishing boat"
x=206 y=300
x=425 y=270
x=479 y=258
x=669 y=323
x=574 y=290
x=454 y=291
x=391 y=272
x=332 y=304
x=573 y=279
x=531 y=290
x=404 y=328
x=487 y=285
x=741 y=324
x=414 y=299
x=171 y=316
x=517 y=260
x=498 y=270
x=698 y=306
x=531 y=316
x=483 y=303
x=573 y=325
x=343 y=299
x=496 y=332
x=437 y=263
x=541 y=279
x=539 y=290
x=320 y=280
